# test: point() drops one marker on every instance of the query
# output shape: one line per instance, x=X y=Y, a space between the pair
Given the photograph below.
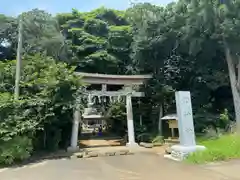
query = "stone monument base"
x=73 y=149
x=180 y=152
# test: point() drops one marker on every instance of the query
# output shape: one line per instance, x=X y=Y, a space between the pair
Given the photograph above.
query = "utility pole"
x=19 y=59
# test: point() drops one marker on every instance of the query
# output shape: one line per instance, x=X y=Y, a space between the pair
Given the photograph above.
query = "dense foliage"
x=99 y=40
x=177 y=46
x=41 y=118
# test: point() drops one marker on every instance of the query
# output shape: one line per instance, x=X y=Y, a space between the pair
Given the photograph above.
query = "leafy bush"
x=49 y=92
x=17 y=149
x=224 y=119
x=158 y=139
x=144 y=137
x=116 y=118
x=17 y=117
x=224 y=148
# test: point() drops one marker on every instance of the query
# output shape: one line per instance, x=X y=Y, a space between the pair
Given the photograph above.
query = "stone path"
x=136 y=167
x=106 y=146
x=144 y=164
x=98 y=142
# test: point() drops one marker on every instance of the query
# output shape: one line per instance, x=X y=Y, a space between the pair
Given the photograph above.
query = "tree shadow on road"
x=40 y=157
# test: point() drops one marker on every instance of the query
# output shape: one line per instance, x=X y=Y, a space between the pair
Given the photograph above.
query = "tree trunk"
x=234 y=79
x=140 y=120
x=159 y=120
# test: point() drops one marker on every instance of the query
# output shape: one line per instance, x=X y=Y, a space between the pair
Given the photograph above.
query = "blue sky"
x=14 y=7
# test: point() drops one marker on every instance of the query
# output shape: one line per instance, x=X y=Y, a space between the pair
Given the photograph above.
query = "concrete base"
x=73 y=149
x=179 y=152
x=132 y=145
x=169 y=156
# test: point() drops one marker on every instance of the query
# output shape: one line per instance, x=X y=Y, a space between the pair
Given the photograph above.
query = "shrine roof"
x=97 y=116
x=170 y=117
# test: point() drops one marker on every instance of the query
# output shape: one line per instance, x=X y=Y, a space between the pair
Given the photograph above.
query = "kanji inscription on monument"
x=185 y=118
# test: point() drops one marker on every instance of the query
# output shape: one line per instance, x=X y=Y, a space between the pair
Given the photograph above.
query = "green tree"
x=171 y=43
x=214 y=25
x=8 y=34
x=41 y=33
x=99 y=40
x=43 y=114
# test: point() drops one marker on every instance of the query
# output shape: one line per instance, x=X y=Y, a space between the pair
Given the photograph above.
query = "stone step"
x=172 y=141
x=146 y=145
x=92 y=154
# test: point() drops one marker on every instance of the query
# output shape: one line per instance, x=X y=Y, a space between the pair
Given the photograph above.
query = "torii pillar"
x=130 y=123
x=75 y=128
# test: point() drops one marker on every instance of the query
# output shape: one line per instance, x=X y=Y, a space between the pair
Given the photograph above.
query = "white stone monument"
x=186 y=128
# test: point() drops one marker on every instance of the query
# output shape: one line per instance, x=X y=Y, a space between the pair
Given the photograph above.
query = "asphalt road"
x=132 y=167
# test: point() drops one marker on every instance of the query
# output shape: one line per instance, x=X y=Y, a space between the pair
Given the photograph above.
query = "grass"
x=223 y=148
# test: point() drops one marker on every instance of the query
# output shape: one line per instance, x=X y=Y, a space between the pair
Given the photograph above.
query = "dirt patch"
x=98 y=142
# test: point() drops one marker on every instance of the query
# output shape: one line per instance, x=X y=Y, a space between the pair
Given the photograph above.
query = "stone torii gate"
x=128 y=81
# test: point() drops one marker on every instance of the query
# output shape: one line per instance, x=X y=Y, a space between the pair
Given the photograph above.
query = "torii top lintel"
x=91 y=78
